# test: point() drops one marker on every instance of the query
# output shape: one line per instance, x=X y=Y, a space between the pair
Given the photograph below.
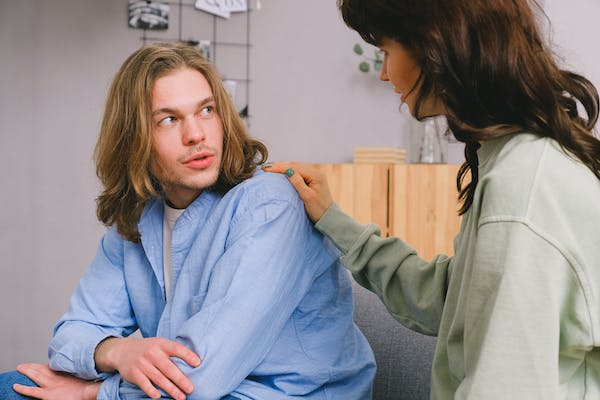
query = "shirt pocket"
x=196 y=303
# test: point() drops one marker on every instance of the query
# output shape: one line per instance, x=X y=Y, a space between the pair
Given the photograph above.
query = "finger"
x=39 y=373
x=279 y=167
x=31 y=391
x=175 y=349
x=310 y=184
x=175 y=376
x=292 y=168
x=159 y=379
x=299 y=182
x=146 y=386
x=35 y=367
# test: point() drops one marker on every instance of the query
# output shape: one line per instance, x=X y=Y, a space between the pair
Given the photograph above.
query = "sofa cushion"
x=403 y=356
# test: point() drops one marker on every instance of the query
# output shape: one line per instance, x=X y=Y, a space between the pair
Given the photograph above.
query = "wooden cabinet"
x=415 y=202
x=361 y=190
x=424 y=207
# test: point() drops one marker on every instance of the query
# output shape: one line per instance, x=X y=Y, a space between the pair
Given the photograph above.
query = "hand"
x=310 y=184
x=146 y=362
x=55 y=385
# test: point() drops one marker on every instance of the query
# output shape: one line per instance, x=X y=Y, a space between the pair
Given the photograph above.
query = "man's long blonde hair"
x=123 y=152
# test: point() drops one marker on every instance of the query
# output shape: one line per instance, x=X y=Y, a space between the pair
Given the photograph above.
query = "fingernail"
x=289 y=172
x=266 y=165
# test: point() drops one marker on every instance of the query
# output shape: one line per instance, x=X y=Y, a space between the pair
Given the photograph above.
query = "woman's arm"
x=412 y=289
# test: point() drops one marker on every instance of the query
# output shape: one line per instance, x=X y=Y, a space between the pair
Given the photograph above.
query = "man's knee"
x=7 y=380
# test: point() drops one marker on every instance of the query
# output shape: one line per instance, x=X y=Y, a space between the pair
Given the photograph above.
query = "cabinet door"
x=424 y=207
x=360 y=190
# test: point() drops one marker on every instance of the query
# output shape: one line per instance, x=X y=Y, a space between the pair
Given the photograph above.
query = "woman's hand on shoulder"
x=309 y=182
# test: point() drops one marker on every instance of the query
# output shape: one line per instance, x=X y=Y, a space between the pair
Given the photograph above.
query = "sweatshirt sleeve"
x=412 y=289
x=527 y=315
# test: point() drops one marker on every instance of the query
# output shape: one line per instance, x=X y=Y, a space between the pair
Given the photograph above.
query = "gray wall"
x=308 y=102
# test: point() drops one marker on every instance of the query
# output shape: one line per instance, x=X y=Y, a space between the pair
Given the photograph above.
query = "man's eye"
x=207 y=110
x=166 y=121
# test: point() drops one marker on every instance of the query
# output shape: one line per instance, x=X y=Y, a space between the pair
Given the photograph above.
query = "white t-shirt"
x=170 y=216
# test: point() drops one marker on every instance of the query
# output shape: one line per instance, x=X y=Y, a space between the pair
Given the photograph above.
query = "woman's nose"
x=383 y=75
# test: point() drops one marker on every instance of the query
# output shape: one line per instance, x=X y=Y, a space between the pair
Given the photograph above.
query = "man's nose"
x=193 y=131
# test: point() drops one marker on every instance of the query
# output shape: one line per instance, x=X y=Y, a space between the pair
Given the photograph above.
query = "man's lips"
x=200 y=160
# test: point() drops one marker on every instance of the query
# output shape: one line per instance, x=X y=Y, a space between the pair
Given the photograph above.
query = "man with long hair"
x=234 y=293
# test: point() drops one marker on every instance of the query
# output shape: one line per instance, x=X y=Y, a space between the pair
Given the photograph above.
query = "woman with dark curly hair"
x=517 y=308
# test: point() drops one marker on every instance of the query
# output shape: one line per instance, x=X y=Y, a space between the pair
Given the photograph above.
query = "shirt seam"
x=574 y=265
x=302 y=347
x=370 y=229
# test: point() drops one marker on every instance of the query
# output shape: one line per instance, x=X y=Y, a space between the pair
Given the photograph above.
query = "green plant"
x=365 y=64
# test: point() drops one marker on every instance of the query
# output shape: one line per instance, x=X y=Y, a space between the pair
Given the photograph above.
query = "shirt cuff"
x=109 y=390
x=78 y=357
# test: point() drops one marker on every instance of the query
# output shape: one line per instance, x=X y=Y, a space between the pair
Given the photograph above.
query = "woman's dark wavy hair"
x=486 y=61
x=124 y=152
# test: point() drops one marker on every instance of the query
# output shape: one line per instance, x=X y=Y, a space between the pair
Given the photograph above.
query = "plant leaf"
x=377 y=64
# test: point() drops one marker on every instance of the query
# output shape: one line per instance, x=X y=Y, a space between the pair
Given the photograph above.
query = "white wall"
x=311 y=102
x=308 y=102
x=57 y=58
x=573 y=35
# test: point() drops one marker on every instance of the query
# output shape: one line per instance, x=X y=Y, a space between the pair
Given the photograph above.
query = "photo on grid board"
x=148 y=15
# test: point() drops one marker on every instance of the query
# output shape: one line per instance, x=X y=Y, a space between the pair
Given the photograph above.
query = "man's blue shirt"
x=257 y=294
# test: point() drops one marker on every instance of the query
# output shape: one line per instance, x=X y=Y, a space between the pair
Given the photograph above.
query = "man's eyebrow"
x=168 y=110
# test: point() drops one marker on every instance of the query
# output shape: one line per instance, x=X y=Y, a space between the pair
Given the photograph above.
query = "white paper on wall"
x=237 y=5
x=222 y=8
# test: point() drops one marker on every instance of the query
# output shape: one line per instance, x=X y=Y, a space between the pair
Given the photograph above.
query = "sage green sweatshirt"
x=517 y=309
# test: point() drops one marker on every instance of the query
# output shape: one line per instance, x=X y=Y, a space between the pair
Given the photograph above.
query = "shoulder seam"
x=568 y=256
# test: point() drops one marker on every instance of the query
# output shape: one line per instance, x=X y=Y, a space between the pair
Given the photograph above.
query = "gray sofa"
x=403 y=356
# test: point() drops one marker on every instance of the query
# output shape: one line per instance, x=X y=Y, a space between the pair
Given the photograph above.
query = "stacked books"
x=374 y=155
